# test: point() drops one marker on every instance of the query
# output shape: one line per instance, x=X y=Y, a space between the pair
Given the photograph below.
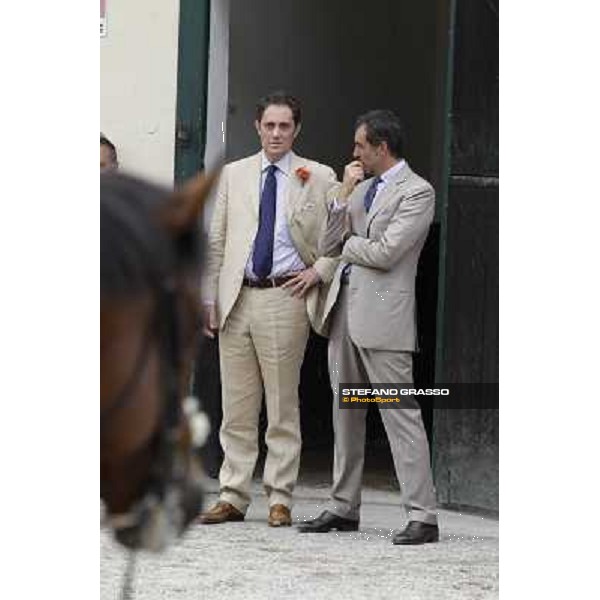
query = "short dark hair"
x=279 y=98
x=104 y=141
x=383 y=126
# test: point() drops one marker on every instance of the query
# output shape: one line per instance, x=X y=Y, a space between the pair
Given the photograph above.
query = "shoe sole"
x=280 y=524
x=219 y=521
x=430 y=541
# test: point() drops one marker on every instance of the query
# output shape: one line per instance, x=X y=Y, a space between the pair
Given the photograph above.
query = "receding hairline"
x=278 y=105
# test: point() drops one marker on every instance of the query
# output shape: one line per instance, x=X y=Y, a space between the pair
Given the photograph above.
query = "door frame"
x=192 y=87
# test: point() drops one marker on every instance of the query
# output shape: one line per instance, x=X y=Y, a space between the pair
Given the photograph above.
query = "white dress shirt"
x=286 y=259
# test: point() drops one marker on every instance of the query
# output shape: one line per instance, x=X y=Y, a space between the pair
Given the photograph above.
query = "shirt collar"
x=283 y=164
x=391 y=172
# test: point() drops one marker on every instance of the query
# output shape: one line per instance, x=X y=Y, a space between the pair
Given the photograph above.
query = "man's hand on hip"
x=302 y=282
x=210 y=324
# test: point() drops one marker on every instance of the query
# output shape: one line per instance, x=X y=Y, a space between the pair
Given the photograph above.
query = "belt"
x=269 y=282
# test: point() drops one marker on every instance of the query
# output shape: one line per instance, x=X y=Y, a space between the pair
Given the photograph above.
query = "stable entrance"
x=341 y=59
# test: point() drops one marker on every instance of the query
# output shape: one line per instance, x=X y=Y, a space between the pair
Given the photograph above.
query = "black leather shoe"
x=417 y=533
x=327 y=521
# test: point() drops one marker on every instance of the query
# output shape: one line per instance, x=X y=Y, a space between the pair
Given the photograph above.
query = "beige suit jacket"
x=235 y=223
x=384 y=250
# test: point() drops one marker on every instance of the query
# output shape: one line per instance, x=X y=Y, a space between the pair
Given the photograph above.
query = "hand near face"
x=301 y=283
x=353 y=175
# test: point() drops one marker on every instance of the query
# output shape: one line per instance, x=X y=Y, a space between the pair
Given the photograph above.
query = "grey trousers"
x=404 y=426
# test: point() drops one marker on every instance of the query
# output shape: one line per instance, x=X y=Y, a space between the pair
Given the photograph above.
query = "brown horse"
x=150 y=263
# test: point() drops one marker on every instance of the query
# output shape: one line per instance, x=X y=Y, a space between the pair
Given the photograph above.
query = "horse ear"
x=183 y=209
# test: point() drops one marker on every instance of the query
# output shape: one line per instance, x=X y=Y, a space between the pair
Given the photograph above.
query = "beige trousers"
x=261 y=346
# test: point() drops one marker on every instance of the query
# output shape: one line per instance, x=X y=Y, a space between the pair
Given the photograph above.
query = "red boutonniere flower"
x=303 y=174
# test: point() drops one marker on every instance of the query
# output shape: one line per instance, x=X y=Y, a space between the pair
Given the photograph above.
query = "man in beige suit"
x=379 y=226
x=261 y=295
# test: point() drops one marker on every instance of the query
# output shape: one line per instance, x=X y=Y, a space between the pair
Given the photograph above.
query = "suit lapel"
x=294 y=187
x=253 y=178
x=390 y=191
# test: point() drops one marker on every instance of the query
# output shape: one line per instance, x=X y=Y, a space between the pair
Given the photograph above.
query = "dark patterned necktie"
x=371 y=193
x=262 y=259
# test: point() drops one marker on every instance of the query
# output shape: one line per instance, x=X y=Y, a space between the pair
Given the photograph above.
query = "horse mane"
x=137 y=251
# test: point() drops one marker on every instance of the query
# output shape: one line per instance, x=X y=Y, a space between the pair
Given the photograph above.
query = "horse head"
x=149 y=313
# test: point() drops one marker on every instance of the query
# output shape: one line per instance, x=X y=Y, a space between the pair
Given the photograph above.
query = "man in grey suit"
x=379 y=226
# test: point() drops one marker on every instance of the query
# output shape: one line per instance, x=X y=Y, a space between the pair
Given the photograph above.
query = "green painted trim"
x=444 y=189
x=192 y=87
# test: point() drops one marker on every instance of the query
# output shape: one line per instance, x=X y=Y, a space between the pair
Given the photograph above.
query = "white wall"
x=138 y=84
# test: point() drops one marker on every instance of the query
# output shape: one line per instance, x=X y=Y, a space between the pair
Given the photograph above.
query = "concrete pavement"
x=241 y=561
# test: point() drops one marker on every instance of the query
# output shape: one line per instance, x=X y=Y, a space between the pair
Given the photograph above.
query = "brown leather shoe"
x=279 y=516
x=221 y=512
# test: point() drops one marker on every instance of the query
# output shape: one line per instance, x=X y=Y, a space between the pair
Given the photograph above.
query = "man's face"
x=370 y=156
x=277 y=131
x=106 y=160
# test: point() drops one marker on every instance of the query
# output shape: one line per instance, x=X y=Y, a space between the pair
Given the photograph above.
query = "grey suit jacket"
x=235 y=222
x=383 y=248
